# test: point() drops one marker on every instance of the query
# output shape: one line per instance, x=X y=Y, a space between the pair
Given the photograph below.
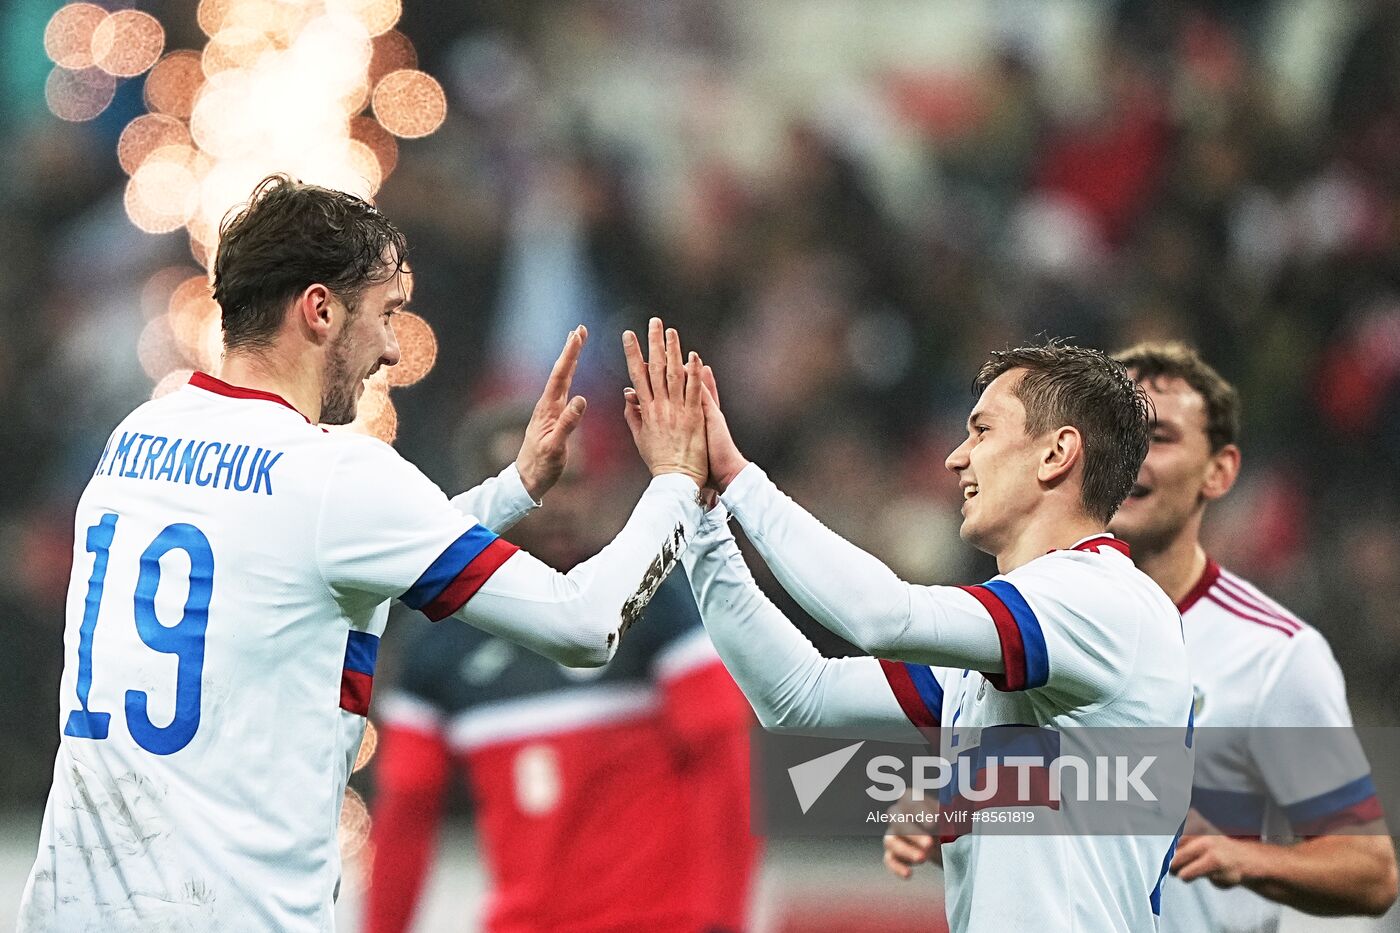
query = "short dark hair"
x=1090 y=391
x=1175 y=360
x=292 y=235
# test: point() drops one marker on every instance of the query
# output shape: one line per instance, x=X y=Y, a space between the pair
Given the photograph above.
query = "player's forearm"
x=790 y=686
x=499 y=502
x=1328 y=876
x=853 y=593
x=578 y=618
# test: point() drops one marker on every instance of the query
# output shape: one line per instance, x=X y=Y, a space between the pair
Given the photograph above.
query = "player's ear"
x=1221 y=472
x=313 y=309
x=1065 y=449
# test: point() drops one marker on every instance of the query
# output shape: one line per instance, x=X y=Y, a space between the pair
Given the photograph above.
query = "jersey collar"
x=1102 y=540
x=209 y=384
x=1208 y=577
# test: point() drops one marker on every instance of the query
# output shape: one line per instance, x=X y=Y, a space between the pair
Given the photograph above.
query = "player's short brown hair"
x=292 y=235
x=1175 y=360
x=1090 y=391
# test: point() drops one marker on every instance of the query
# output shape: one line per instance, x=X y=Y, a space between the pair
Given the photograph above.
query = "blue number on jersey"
x=82 y=723
x=185 y=639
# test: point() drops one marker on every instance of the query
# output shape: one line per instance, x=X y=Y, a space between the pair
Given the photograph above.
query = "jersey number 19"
x=185 y=639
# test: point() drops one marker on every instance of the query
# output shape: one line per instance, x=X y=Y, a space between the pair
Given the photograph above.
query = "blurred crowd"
x=843 y=205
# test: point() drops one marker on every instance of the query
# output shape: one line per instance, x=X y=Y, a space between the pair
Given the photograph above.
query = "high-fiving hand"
x=545 y=450
x=723 y=459
x=663 y=407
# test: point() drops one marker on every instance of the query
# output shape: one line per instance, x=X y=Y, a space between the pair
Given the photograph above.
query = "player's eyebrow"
x=977 y=415
x=396 y=303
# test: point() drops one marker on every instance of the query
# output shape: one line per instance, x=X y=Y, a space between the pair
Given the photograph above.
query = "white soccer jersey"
x=233 y=567
x=1258 y=666
x=1088 y=642
x=1075 y=639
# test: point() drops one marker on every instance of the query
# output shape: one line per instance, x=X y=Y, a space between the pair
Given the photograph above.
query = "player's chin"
x=968 y=531
x=343 y=413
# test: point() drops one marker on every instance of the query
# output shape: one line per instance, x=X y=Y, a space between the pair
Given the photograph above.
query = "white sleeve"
x=853 y=593
x=385 y=531
x=790 y=686
x=499 y=502
x=1303 y=744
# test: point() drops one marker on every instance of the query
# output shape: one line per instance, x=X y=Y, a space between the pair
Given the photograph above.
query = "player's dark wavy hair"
x=1093 y=393
x=1172 y=359
x=288 y=237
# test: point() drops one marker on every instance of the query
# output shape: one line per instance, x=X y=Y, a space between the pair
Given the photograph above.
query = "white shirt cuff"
x=746 y=494
x=517 y=497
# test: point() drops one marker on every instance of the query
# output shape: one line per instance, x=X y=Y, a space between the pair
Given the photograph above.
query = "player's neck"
x=266 y=372
x=1177 y=567
x=1041 y=536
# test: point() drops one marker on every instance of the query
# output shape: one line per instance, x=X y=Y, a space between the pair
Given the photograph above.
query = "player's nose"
x=957 y=460
x=390 y=356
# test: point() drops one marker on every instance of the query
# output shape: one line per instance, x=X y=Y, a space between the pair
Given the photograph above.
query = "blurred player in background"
x=233 y=568
x=1254 y=664
x=610 y=799
x=1069 y=634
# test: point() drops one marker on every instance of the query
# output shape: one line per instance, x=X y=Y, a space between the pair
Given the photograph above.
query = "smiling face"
x=997 y=467
x=1180 y=475
x=365 y=342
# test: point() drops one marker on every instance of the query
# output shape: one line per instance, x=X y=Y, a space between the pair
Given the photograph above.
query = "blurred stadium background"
x=843 y=204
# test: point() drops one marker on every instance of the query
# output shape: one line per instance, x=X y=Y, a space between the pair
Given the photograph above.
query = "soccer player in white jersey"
x=1068 y=634
x=233 y=568
x=1254 y=664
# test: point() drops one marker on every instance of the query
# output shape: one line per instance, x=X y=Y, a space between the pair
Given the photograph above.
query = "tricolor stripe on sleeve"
x=357 y=679
x=917 y=691
x=457 y=574
x=1026 y=661
x=1233 y=812
x=1351 y=804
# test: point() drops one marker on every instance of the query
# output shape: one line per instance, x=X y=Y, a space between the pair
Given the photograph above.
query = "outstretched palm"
x=546 y=447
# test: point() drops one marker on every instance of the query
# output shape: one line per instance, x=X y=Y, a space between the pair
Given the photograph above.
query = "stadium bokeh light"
x=171 y=381
x=156 y=349
x=156 y=293
x=319 y=89
x=393 y=51
x=417 y=349
x=376 y=415
x=371 y=134
x=145 y=135
x=127 y=43
x=173 y=83
x=68 y=35
x=368 y=745
x=79 y=95
x=410 y=103
x=354 y=824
